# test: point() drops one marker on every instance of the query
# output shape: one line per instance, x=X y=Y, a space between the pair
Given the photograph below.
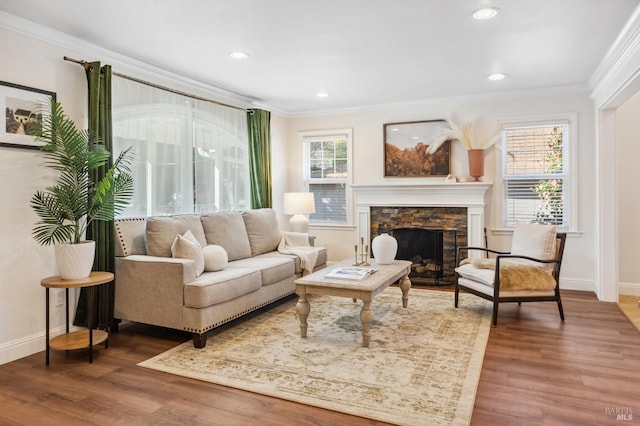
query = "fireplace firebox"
x=425 y=249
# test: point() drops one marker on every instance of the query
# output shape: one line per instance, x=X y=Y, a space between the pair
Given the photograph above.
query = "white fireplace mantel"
x=469 y=194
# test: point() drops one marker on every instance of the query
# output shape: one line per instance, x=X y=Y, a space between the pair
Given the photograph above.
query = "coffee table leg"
x=366 y=317
x=303 y=308
x=405 y=285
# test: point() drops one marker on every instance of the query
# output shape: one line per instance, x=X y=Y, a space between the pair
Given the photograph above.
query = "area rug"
x=422 y=365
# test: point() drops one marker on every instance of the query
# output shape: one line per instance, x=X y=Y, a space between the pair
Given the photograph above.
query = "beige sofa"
x=154 y=287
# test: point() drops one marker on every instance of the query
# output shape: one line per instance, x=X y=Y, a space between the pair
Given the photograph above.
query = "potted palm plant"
x=68 y=207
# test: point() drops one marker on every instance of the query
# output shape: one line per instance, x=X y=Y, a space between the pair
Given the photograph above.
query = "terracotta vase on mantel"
x=476 y=163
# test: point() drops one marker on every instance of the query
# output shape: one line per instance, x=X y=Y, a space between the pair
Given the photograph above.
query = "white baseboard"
x=577 y=284
x=629 y=289
x=20 y=348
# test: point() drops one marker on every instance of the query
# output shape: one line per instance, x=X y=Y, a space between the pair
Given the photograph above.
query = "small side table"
x=82 y=338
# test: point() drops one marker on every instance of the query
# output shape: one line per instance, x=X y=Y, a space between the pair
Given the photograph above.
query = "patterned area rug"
x=422 y=366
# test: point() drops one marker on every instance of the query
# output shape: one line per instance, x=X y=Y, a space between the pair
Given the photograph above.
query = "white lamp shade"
x=299 y=203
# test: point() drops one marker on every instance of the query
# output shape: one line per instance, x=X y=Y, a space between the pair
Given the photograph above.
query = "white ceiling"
x=362 y=52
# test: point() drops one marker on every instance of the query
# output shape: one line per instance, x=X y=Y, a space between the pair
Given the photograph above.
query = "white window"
x=327 y=171
x=537 y=174
x=191 y=155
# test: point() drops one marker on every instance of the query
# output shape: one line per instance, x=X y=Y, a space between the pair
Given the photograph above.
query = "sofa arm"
x=150 y=289
x=150 y=263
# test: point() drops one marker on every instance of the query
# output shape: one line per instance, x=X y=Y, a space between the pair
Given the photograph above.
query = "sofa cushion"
x=227 y=229
x=215 y=258
x=262 y=229
x=272 y=269
x=162 y=230
x=212 y=288
x=187 y=247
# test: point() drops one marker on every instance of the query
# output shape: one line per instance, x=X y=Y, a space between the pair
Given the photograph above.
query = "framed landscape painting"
x=24 y=107
x=406 y=145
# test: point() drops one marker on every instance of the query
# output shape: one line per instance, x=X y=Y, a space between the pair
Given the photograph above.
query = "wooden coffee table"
x=365 y=290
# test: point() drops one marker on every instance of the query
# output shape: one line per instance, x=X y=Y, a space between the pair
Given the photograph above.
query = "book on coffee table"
x=351 y=272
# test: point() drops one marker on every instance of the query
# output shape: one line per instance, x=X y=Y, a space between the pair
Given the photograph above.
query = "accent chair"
x=529 y=272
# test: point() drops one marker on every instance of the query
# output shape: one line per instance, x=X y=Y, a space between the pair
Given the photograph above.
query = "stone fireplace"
x=439 y=216
x=427 y=236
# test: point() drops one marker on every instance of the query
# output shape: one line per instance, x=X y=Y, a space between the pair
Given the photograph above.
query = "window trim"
x=331 y=134
x=571 y=120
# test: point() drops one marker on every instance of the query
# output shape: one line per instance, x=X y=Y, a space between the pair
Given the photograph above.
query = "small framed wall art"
x=406 y=146
x=25 y=108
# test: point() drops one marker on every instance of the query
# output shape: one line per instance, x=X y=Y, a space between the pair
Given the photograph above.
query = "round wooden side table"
x=82 y=338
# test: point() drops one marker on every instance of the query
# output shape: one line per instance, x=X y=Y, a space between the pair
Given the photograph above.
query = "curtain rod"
x=87 y=66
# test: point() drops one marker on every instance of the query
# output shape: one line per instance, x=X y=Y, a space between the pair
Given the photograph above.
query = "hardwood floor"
x=537 y=370
x=630 y=306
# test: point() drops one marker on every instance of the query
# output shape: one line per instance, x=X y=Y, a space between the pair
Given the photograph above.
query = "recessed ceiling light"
x=239 y=55
x=497 y=76
x=485 y=13
x=322 y=94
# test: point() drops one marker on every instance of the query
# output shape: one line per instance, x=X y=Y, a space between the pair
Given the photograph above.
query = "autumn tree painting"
x=413 y=161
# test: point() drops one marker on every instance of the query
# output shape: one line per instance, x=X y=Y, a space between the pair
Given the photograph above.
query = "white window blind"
x=326 y=174
x=535 y=174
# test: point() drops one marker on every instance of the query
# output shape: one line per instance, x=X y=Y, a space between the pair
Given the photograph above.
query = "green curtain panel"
x=102 y=232
x=260 y=157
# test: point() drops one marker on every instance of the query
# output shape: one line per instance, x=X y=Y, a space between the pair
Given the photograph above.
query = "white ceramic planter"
x=384 y=248
x=75 y=260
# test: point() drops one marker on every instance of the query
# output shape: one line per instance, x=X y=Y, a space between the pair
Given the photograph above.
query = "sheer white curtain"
x=191 y=156
x=221 y=142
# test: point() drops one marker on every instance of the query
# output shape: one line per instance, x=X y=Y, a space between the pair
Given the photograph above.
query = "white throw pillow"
x=215 y=258
x=186 y=246
x=534 y=240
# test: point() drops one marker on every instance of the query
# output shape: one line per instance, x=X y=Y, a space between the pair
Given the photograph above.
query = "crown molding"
x=541 y=92
x=122 y=63
x=619 y=67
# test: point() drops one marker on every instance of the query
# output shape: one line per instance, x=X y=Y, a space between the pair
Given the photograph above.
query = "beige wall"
x=279 y=156
x=23 y=263
x=578 y=268
x=628 y=153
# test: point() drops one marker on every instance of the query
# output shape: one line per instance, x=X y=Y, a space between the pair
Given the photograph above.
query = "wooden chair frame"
x=495 y=297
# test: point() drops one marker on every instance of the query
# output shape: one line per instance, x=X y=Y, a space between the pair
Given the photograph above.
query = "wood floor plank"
x=537 y=370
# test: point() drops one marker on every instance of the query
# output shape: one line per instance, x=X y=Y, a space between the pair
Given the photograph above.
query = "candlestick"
x=365 y=256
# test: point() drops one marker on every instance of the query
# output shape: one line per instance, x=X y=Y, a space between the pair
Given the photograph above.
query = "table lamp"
x=299 y=204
